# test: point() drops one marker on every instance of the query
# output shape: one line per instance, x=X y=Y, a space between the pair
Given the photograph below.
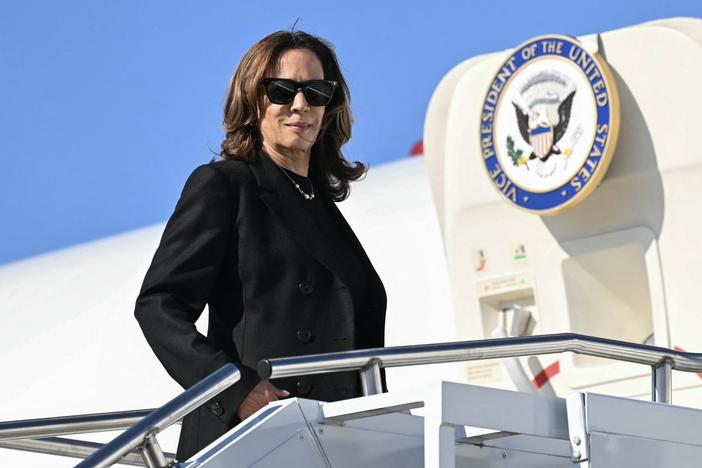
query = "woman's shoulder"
x=232 y=171
x=232 y=167
x=229 y=178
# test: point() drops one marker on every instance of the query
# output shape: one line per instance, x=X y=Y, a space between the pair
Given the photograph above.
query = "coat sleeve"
x=179 y=282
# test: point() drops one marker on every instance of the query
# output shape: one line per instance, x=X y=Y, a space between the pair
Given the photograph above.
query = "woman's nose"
x=299 y=102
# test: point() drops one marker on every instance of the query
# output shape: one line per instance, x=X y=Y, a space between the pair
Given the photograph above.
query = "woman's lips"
x=298 y=127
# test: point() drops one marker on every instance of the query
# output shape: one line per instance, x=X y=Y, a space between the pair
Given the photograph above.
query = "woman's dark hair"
x=244 y=102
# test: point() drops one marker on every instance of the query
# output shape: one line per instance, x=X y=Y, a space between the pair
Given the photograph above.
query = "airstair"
x=444 y=425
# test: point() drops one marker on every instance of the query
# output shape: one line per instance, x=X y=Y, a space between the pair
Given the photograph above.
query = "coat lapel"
x=281 y=198
x=355 y=243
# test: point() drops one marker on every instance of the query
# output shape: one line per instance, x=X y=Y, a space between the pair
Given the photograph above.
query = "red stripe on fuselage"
x=547 y=374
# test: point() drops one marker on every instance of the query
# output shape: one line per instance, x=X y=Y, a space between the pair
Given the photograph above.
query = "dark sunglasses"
x=283 y=91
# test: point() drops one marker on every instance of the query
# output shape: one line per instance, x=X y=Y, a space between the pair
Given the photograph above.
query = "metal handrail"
x=398 y=356
x=368 y=361
x=141 y=436
x=70 y=448
x=64 y=425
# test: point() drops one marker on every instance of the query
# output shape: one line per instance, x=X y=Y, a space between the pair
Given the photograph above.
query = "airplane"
x=71 y=344
x=613 y=262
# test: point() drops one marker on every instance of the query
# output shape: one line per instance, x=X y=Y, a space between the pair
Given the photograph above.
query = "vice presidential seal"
x=549 y=124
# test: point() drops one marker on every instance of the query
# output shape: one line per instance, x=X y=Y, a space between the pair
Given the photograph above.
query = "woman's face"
x=291 y=129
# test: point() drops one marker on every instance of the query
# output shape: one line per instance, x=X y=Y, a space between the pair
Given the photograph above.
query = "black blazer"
x=240 y=241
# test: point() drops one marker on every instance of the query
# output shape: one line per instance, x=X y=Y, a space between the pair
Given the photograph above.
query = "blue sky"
x=108 y=105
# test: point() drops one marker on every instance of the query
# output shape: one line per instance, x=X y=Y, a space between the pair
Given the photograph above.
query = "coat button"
x=217 y=409
x=303 y=388
x=304 y=336
x=306 y=288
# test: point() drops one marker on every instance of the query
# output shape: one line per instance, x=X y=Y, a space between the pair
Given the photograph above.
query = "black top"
x=335 y=234
x=241 y=241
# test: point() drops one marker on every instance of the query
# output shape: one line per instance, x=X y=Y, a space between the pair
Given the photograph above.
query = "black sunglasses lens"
x=319 y=93
x=280 y=92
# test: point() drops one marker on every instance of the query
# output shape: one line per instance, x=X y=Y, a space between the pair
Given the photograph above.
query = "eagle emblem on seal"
x=548 y=123
x=543 y=107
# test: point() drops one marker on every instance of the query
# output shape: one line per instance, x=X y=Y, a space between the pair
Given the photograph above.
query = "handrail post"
x=371 y=379
x=662 y=382
x=151 y=453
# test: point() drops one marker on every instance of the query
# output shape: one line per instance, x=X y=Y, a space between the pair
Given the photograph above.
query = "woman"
x=258 y=238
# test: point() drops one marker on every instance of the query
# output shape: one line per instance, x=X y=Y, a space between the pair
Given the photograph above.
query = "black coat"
x=240 y=241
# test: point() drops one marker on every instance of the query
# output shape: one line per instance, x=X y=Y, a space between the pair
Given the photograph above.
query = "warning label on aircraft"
x=484 y=371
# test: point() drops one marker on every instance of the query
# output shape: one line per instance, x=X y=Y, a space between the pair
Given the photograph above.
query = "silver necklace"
x=306 y=196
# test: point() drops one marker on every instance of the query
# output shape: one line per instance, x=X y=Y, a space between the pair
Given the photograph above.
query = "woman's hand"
x=263 y=393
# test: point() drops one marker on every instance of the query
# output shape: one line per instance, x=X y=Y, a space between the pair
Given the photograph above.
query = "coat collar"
x=281 y=198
